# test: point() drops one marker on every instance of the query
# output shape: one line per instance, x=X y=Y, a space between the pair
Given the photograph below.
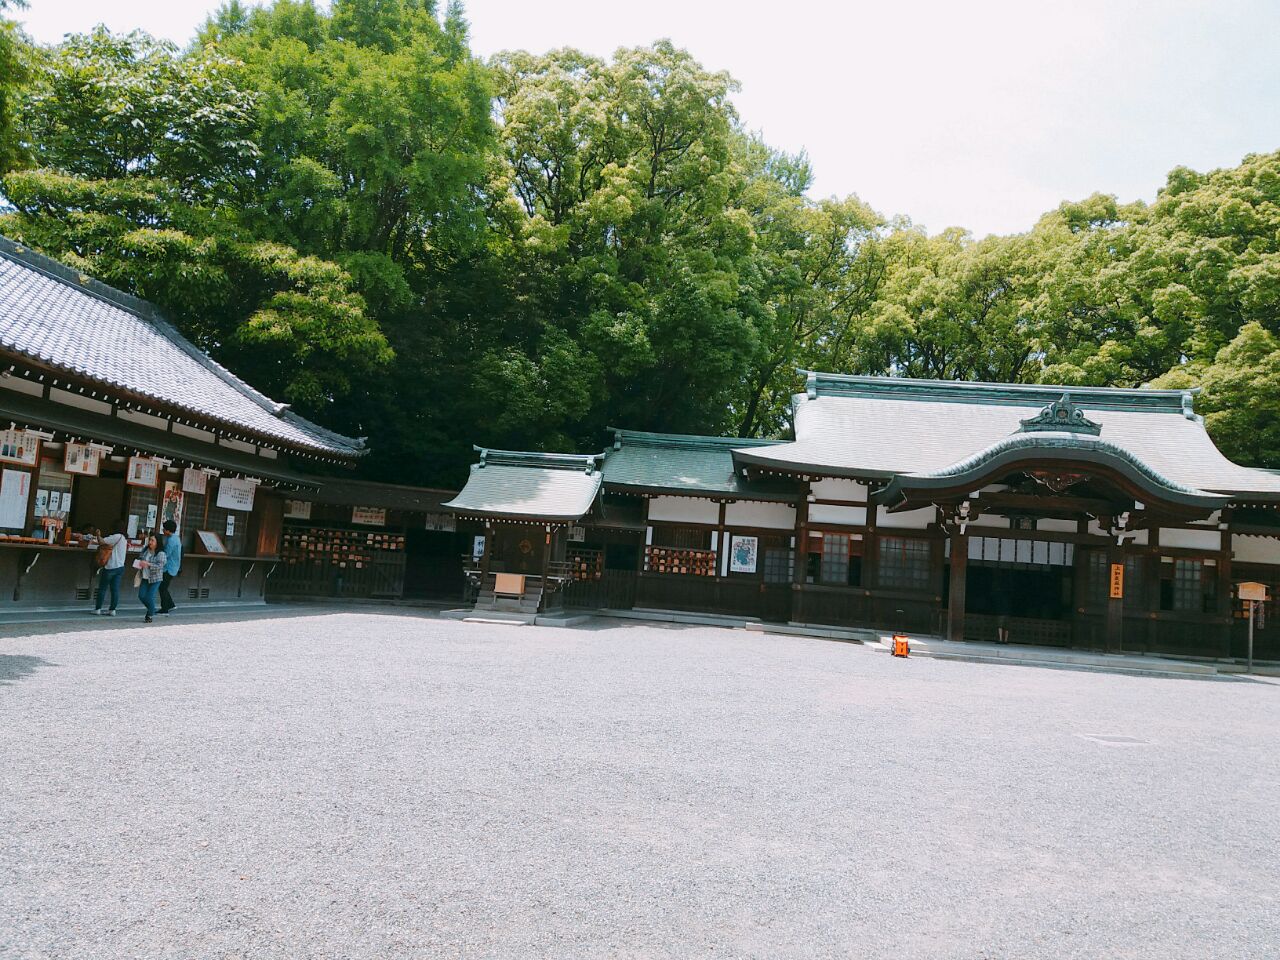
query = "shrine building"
x=1086 y=517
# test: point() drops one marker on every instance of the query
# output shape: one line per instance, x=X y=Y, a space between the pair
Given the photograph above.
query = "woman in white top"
x=111 y=572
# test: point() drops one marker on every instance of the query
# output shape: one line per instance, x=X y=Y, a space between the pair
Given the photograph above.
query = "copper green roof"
x=683 y=464
x=517 y=485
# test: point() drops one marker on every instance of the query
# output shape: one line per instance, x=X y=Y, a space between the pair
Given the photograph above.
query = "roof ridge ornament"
x=1061 y=416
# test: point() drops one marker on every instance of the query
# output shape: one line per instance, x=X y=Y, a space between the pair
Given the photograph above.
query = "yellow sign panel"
x=1117 y=581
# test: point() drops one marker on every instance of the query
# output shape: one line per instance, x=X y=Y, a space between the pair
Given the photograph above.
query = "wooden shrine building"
x=1076 y=516
x=108 y=413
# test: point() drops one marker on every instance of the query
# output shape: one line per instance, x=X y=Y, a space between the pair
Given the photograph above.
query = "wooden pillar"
x=1114 y=631
x=1225 y=603
x=956 y=588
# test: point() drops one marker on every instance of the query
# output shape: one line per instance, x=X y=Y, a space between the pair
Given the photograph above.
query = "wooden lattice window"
x=905 y=563
x=835 y=558
x=681 y=538
x=1187 y=584
x=779 y=565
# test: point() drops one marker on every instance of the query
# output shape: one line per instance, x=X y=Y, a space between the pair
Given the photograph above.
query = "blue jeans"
x=148 y=593
x=109 y=579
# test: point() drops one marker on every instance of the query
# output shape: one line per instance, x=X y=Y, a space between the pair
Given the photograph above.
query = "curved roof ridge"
x=1060 y=441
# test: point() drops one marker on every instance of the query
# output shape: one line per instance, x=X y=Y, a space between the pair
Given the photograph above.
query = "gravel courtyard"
x=387 y=784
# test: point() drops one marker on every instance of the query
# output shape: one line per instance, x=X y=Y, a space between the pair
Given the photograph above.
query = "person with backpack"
x=172 y=564
x=110 y=559
x=150 y=575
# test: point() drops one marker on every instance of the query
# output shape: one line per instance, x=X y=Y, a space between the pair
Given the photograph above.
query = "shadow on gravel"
x=16 y=666
x=77 y=622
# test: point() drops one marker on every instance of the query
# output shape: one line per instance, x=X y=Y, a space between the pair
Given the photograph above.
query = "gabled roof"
x=515 y=485
x=1071 y=449
x=879 y=427
x=52 y=316
x=682 y=464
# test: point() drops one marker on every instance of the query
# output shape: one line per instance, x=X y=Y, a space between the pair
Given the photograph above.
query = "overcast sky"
x=977 y=114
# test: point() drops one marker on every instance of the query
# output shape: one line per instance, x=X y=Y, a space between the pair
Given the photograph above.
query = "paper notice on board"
x=132 y=530
x=15 y=491
x=151 y=516
x=194 y=481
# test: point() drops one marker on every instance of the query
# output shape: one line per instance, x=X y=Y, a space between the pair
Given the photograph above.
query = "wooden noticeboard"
x=1252 y=591
x=1117 y=581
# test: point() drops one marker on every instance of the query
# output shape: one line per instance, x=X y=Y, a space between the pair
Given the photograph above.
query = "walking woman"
x=150 y=575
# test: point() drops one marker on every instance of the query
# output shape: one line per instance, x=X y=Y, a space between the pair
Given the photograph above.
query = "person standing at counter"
x=112 y=569
x=172 y=564
x=150 y=575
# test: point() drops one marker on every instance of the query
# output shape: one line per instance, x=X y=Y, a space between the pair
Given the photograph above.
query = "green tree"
x=1241 y=399
x=14 y=72
x=140 y=151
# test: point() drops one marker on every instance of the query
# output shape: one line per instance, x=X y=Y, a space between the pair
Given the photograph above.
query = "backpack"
x=103 y=556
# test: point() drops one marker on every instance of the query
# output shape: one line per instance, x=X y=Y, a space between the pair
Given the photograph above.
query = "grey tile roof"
x=881 y=426
x=682 y=464
x=50 y=315
x=529 y=486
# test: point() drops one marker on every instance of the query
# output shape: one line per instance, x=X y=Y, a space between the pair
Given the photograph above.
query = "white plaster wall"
x=828 y=513
x=80 y=400
x=837 y=488
x=195 y=433
x=684 y=510
x=1255 y=549
x=774 y=516
x=990 y=520
x=146 y=419
x=238 y=445
x=22 y=385
x=1192 y=539
x=1053 y=525
x=908 y=519
x=268 y=453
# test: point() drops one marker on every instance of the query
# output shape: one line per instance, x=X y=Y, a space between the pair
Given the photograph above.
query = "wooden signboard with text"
x=1117 y=581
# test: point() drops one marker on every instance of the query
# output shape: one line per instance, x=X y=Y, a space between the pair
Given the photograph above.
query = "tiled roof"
x=881 y=426
x=48 y=313
x=513 y=485
x=681 y=464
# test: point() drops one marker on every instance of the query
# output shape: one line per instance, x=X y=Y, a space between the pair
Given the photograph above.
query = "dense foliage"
x=355 y=213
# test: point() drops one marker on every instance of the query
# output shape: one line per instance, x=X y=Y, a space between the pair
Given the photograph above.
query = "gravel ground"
x=382 y=784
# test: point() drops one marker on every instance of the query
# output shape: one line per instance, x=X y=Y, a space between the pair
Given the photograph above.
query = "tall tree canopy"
x=13 y=74
x=354 y=212
x=142 y=158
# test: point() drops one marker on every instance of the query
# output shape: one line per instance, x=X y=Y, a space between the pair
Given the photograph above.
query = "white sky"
x=981 y=114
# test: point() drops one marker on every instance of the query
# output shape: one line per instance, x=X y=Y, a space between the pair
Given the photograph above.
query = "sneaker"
x=148 y=619
x=110 y=613
x=97 y=611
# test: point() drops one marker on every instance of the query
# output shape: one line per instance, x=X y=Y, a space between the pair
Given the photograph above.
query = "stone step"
x=846 y=634
x=1050 y=657
x=678 y=616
